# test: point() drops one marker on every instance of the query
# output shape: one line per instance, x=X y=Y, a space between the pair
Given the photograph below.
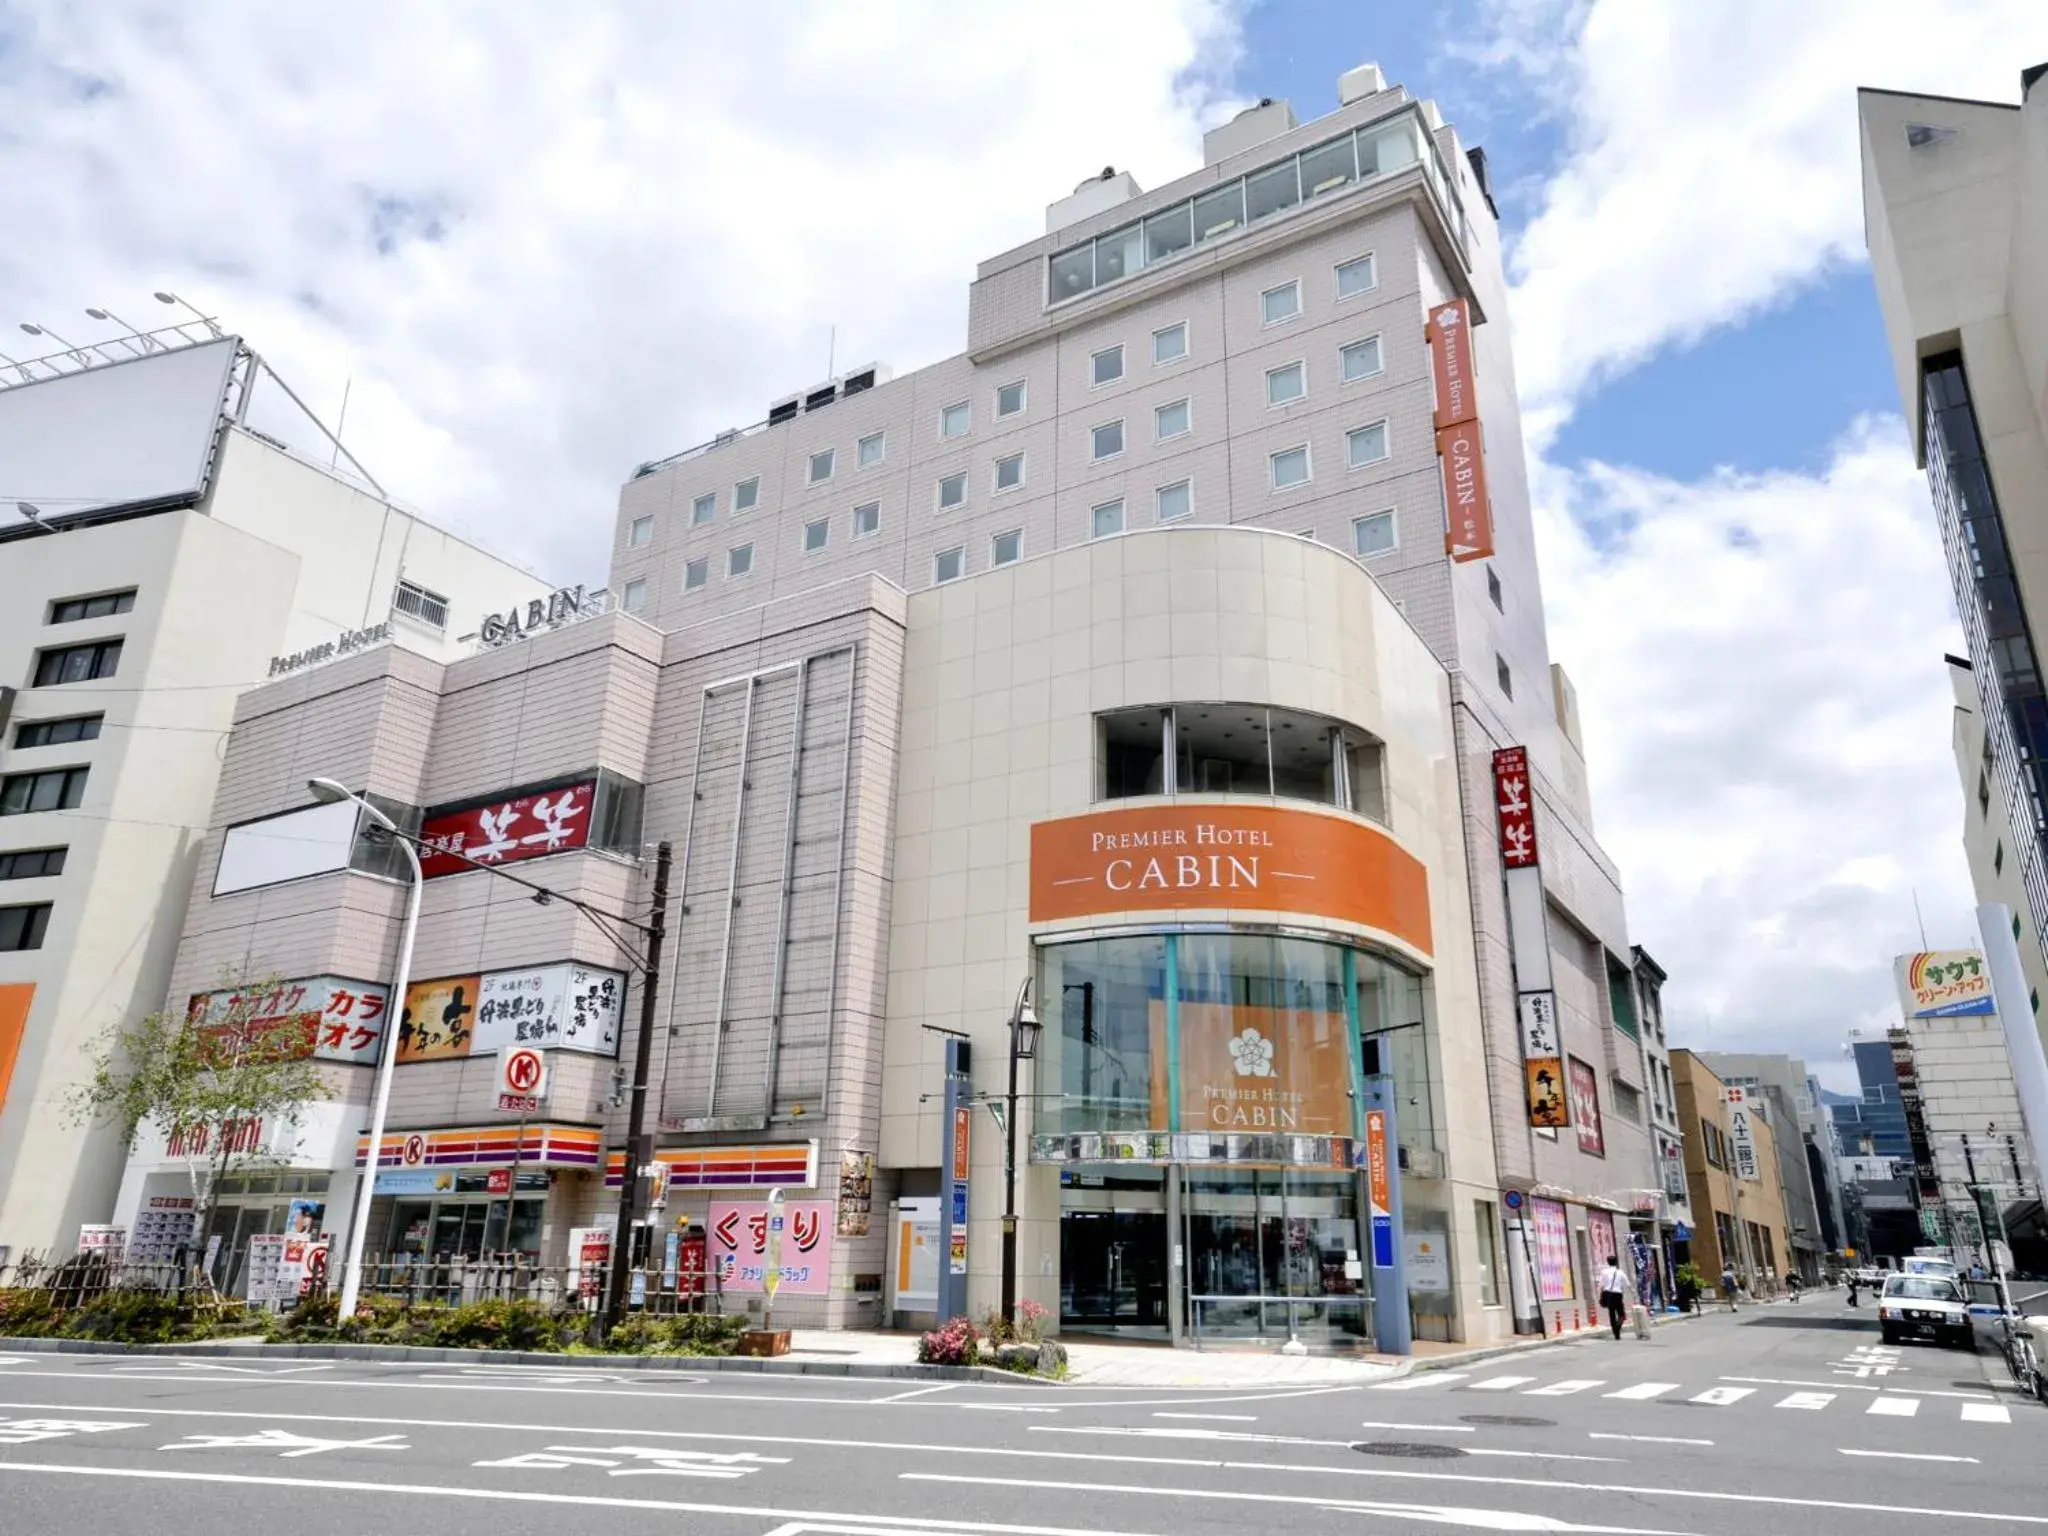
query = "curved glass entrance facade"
x=1200 y=1090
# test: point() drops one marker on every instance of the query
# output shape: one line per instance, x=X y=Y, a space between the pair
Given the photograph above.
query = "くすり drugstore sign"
x=1175 y=858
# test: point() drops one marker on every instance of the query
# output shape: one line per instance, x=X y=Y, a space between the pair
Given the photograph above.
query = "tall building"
x=1778 y=1085
x=1733 y=1166
x=159 y=555
x=1667 y=1134
x=1955 y=200
x=1146 y=663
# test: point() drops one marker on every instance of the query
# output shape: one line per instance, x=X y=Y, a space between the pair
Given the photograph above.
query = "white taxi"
x=1924 y=1306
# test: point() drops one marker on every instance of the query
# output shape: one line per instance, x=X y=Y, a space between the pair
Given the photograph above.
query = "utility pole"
x=639 y=1146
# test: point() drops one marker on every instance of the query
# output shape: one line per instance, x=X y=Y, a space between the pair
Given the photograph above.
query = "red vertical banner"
x=1449 y=330
x=1460 y=449
x=1514 y=805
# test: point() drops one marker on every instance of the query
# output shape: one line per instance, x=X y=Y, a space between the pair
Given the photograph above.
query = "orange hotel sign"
x=1181 y=858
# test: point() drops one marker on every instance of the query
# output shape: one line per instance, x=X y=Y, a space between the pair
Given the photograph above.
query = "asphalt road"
x=1775 y=1420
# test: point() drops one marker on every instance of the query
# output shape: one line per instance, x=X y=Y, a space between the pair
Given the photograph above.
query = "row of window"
x=48 y=789
x=23 y=927
x=101 y=606
x=32 y=863
x=58 y=732
x=77 y=663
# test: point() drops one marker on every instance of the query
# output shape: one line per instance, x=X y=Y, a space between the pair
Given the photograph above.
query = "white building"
x=159 y=556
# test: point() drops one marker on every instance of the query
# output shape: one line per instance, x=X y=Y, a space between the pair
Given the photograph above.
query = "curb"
x=1527 y=1345
x=405 y=1354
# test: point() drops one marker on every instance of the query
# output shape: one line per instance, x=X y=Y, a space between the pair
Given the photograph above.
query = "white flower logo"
x=1252 y=1054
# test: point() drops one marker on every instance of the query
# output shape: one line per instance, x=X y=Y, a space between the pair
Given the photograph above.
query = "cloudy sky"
x=540 y=244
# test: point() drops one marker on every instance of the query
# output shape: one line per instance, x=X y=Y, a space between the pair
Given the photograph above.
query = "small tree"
x=208 y=1077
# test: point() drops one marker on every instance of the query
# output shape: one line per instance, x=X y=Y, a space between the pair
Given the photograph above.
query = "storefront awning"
x=767 y=1165
x=464 y=1146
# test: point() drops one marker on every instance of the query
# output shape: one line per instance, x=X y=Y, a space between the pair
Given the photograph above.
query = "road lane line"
x=1895 y=1407
x=1643 y=1391
x=1648 y=1439
x=1721 y=1397
x=1499 y=1383
x=1852 y=1386
x=1420 y=1379
x=1562 y=1388
x=1480 y=1450
x=904 y=1397
x=1221 y=1418
x=1714 y=1495
x=1908 y=1456
x=1986 y=1413
x=1805 y=1400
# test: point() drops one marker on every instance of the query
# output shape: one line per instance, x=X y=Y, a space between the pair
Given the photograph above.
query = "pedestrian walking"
x=1728 y=1284
x=1614 y=1293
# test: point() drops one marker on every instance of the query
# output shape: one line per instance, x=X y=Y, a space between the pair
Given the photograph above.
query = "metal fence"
x=72 y=1280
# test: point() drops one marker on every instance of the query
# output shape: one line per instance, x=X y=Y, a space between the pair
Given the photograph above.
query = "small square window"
x=641 y=533
x=1356 y=277
x=867 y=519
x=1282 y=303
x=1106 y=366
x=954 y=420
x=1171 y=419
x=953 y=491
x=872 y=449
x=1106 y=520
x=636 y=594
x=696 y=573
x=1373 y=534
x=1366 y=445
x=821 y=465
x=1010 y=472
x=1998 y=858
x=817 y=535
x=1290 y=467
x=1010 y=399
x=1107 y=440
x=1006 y=548
x=1361 y=359
x=1286 y=384
x=703 y=509
x=739 y=560
x=1503 y=676
x=1175 y=500
x=948 y=565
x=1170 y=344
x=1493 y=589
x=747 y=494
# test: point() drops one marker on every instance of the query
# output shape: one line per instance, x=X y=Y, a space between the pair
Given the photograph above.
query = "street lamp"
x=172 y=299
x=1024 y=1031
x=148 y=343
x=333 y=792
x=43 y=330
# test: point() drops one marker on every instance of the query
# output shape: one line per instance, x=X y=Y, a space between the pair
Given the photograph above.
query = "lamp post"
x=333 y=792
x=1024 y=1029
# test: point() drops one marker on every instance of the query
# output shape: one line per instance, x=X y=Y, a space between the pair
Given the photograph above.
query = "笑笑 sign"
x=1179 y=858
x=1944 y=984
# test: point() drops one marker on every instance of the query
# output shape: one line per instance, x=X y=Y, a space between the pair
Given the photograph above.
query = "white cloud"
x=1712 y=163
x=606 y=232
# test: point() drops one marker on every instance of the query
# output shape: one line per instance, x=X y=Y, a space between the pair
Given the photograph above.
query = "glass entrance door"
x=1113 y=1253
x=1273 y=1254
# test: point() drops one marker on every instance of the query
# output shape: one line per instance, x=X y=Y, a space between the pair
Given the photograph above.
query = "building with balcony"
x=160 y=553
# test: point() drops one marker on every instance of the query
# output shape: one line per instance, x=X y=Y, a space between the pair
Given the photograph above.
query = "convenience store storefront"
x=472 y=1192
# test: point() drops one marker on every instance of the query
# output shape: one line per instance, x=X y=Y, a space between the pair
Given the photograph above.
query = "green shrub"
x=526 y=1325
x=28 y=1314
x=705 y=1333
x=129 y=1317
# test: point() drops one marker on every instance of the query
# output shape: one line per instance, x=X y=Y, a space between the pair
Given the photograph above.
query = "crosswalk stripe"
x=1897 y=1407
x=1420 y=1379
x=1642 y=1391
x=1986 y=1413
x=1807 y=1400
x=1721 y=1397
x=1499 y=1383
x=1562 y=1388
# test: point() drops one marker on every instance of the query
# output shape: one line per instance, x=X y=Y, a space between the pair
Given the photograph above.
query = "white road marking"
x=1642 y=1391
x=1714 y=1495
x=1721 y=1397
x=1448 y=1429
x=1648 y=1439
x=1231 y=1418
x=1805 y=1400
x=1002 y=1408
x=287 y=1445
x=1480 y=1450
x=904 y=1397
x=1908 y=1456
x=1986 y=1413
x=1562 y=1388
x=1896 y=1407
x=1852 y=1386
x=1419 y=1379
x=1499 y=1383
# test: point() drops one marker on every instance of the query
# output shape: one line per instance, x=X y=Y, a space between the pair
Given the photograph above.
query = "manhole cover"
x=1416 y=1450
x=1506 y=1420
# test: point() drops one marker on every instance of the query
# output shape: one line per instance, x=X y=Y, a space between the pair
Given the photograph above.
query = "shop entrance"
x=1113 y=1238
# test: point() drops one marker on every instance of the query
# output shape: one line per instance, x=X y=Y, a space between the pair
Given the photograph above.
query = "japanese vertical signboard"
x=1553 y=1249
x=1378 y=1196
x=1742 y=1134
x=856 y=1191
x=954 y=1165
x=528 y=826
x=1585 y=1100
x=1545 y=1086
x=1468 y=514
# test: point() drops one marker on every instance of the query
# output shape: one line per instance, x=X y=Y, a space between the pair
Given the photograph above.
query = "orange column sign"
x=1468 y=513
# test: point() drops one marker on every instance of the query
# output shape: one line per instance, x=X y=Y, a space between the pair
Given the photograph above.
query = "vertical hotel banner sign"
x=1378 y=1195
x=1545 y=1086
x=1468 y=513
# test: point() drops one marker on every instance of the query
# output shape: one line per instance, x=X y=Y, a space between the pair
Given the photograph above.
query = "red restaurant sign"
x=507 y=831
x=1515 y=806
